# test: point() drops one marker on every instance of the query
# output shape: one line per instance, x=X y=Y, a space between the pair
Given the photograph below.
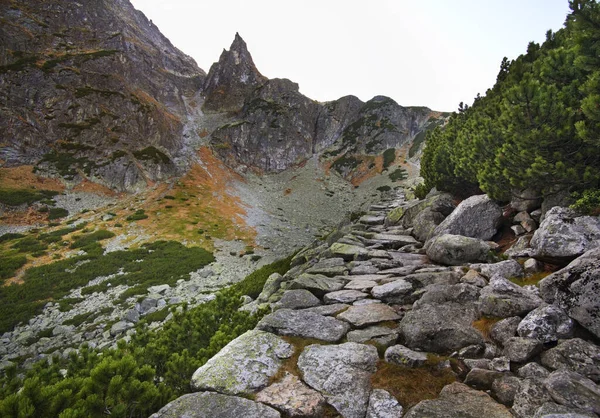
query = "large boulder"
x=342 y=373
x=440 y=328
x=575 y=289
x=244 y=366
x=475 y=217
x=210 y=404
x=455 y=250
x=442 y=203
x=459 y=401
x=573 y=390
x=577 y=355
x=563 y=235
x=304 y=324
x=546 y=324
x=502 y=299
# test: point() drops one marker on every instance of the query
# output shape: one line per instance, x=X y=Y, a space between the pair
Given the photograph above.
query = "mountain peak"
x=232 y=78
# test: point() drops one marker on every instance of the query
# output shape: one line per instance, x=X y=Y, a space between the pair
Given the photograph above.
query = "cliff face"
x=277 y=127
x=91 y=90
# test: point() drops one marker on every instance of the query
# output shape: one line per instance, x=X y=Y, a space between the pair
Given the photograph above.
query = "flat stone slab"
x=363 y=277
x=304 y=324
x=348 y=252
x=293 y=397
x=361 y=285
x=297 y=299
x=317 y=283
x=372 y=219
x=328 y=310
x=398 y=287
x=392 y=241
x=210 y=404
x=360 y=316
x=375 y=331
x=244 y=366
x=404 y=356
x=344 y=296
x=342 y=373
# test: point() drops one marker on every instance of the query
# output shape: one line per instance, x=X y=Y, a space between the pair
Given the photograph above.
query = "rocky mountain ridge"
x=374 y=315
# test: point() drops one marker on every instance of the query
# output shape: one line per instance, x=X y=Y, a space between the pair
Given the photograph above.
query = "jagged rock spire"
x=231 y=79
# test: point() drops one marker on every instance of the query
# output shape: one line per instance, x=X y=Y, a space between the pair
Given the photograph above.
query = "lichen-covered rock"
x=329 y=267
x=317 y=283
x=502 y=298
x=532 y=371
x=440 y=328
x=575 y=289
x=507 y=269
x=530 y=396
x=455 y=250
x=442 y=293
x=563 y=235
x=348 y=252
x=546 y=324
x=209 y=404
x=577 y=355
x=244 y=366
x=482 y=379
x=459 y=401
x=373 y=332
x=383 y=405
x=344 y=296
x=362 y=315
x=505 y=329
x=475 y=217
x=404 y=356
x=554 y=410
x=297 y=299
x=520 y=350
x=573 y=390
x=397 y=289
x=342 y=373
x=304 y=324
x=270 y=288
x=293 y=397
x=505 y=388
x=526 y=200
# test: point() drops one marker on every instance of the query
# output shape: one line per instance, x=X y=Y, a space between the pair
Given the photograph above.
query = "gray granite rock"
x=554 y=410
x=502 y=298
x=297 y=299
x=360 y=316
x=573 y=390
x=404 y=356
x=317 y=283
x=370 y=333
x=293 y=398
x=456 y=250
x=520 y=349
x=383 y=405
x=577 y=355
x=505 y=329
x=505 y=388
x=342 y=373
x=344 y=296
x=209 y=404
x=546 y=324
x=304 y=324
x=482 y=379
x=530 y=396
x=533 y=371
x=244 y=366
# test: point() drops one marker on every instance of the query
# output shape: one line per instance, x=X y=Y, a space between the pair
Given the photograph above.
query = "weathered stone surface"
x=360 y=316
x=395 y=289
x=304 y=324
x=500 y=364
x=317 y=283
x=573 y=390
x=554 y=410
x=482 y=379
x=507 y=269
x=521 y=248
x=372 y=219
x=243 y=366
x=505 y=329
x=455 y=250
x=293 y=398
x=563 y=235
x=577 y=355
x=328 y=310
x=383 y=405
x=297 y=299
x=529 y=397
x=439 y=328
x=545 y=324
x=502 y=298
x=459 y=401
x=575 y=289
x=442 y=293
x=342 y=373
x=532 y=266
x=392 y=241
x=505 y=388
x=209 y=404
x=372 y=332
x=364 y=268
x=404 y=356
x=329 y=267
x=526 y=200
x=271 y=286
x=362 y=285
x=425 y=223
x=119 y=327
x=533 y=371
x=474 y=278
x=344 y=296
x=348 y=252
x=520 y=350
x=475 y=217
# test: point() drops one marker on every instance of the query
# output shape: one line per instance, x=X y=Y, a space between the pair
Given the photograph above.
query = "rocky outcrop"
x=563 y=235
x=84 y=93
x=575 y=289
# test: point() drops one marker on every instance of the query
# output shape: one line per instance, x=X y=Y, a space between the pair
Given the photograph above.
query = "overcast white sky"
x=433 y=53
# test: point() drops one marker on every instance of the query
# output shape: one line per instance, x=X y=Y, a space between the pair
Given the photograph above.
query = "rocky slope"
x=374 y=316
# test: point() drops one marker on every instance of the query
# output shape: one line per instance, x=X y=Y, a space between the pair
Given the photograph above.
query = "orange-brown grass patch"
x=368 y=168
x=484 y=325
x=198 y=206
x=22 y=177
x=534 y=279
x=287 y=191
x=412 y=385
x=90 y=187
